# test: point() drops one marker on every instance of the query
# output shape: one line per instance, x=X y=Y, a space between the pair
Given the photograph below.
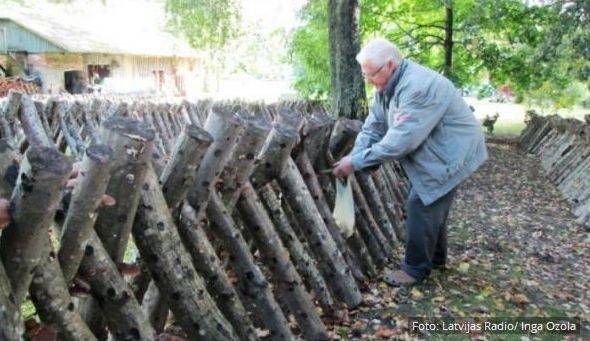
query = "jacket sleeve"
x=373 y=130
x=411 y=123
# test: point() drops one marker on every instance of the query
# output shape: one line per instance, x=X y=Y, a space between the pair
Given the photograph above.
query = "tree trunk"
x=348 y=88
x=448 y=41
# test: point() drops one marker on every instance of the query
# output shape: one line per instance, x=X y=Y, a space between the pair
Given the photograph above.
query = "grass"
x=511 y=119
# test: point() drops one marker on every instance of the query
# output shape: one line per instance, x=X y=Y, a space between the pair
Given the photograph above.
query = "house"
x=68 y=57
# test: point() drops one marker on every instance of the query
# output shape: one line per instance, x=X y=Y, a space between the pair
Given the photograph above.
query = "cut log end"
x=100 y=153
x=130 y=127
x=50 y=160
x=198 y=133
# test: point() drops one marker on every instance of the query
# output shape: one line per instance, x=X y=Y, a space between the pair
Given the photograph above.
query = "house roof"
x=75 y=37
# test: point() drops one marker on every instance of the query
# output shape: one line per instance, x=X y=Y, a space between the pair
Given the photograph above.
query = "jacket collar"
x=395 y=77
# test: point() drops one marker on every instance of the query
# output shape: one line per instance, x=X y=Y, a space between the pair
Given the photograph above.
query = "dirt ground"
x=514 y=251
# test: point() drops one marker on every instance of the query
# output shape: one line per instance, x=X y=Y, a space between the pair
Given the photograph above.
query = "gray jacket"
x=421 y=120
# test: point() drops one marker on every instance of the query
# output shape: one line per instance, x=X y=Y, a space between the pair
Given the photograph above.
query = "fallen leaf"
x=463 y=267
x=384 y=332
x=416 y=294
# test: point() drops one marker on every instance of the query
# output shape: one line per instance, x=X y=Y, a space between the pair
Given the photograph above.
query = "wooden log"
x=34 y=201
x=365 y=211
x=177 y=178
x=286 y=278
x=171 y=268
x=179 y=174
x=10 y=316
x=74 y=113
x=209 y=266
x=155 y=307
x=305 y=264
x=388 y=201
x=371 y=194
x=378 y=256
x=8 y=115
x=52 y=300
x=356 y=265
x=8 y=160
x=191 y=111
x=112 y=294
x=160 y=129
x=274 y=154
x=87 y=194
x=252 y=281
x=332 y=264
x=226 y=129
x=132 y=143
x=242 y=160
x=40 y=106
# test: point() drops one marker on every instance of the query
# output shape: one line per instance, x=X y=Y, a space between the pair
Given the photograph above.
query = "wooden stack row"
x=563 y=145
x=225 y=203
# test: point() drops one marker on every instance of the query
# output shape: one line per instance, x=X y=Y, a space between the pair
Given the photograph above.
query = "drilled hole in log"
x=160 y=225
x=250 y=275
x=175 y=296
x=152 y=258
x=146 y=186
x=89 y=250
x=122 y=218
x=217 y=152
x=134 y=333
x=111 y=292
x=71 y=306
x=26 y=183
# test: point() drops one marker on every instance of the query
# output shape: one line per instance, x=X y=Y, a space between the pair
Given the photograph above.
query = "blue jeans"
x=426 y=234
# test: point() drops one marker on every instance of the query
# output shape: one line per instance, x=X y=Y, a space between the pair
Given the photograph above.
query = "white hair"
x=378 y=52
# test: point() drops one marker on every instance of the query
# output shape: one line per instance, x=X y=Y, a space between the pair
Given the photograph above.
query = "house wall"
x=128 y=73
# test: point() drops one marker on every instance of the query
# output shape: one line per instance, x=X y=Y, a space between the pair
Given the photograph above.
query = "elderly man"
x=420 y=119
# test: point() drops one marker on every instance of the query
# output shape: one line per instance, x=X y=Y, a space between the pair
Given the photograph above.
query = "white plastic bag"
x=344 y=207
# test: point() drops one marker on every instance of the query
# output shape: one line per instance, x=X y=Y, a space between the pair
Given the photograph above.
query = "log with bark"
x=34 y=201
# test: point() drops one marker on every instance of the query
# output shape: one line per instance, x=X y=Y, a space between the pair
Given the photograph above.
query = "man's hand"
x=4 y=214
x=343 y=168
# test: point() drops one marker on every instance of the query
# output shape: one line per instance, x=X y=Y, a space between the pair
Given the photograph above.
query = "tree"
x=207 y=25
x=348 y=88
x=505 y=42
x=310 y=52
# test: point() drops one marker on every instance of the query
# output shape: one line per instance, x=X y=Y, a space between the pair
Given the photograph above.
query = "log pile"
x=17 y=84
x=225 y=203
x=563 y=145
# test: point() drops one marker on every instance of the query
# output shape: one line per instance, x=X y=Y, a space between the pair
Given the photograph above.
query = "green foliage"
x=553 y=96
x=501 y=42
x=310 y=52
x=206 y=24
